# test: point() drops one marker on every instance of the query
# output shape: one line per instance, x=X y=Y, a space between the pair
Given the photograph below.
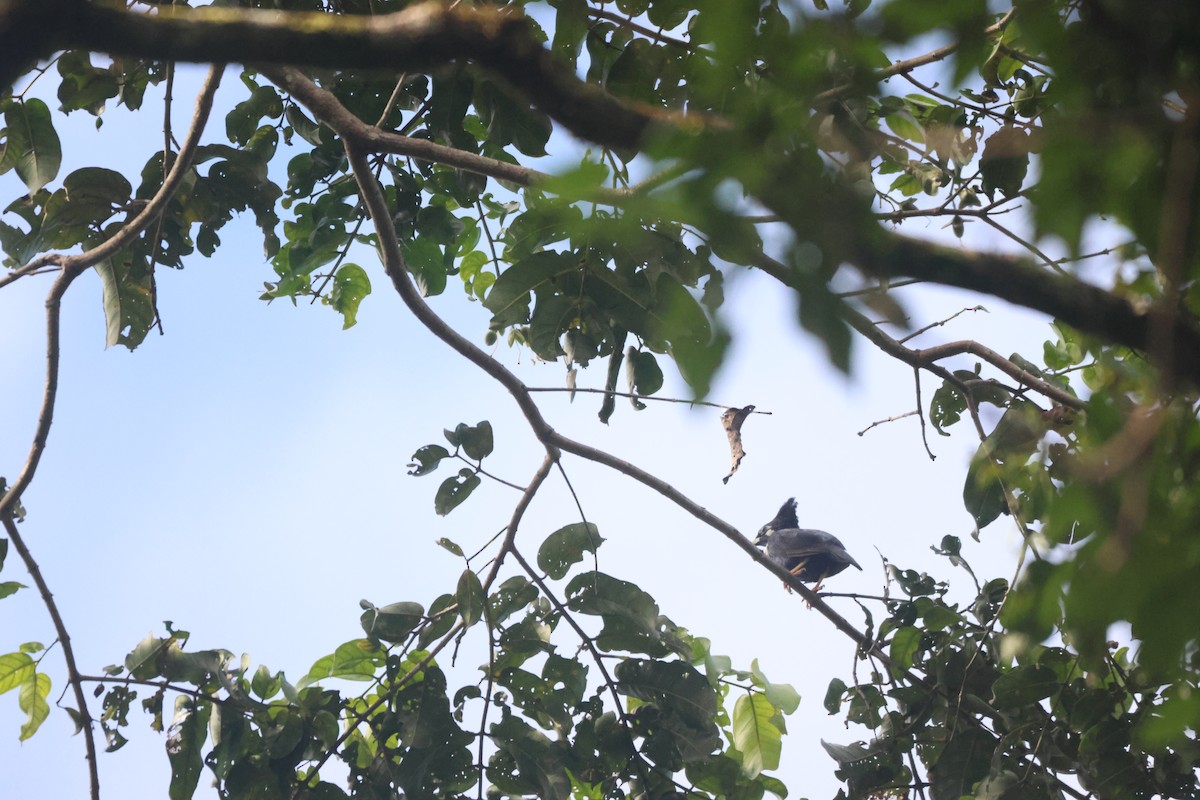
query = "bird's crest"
x=784 y=520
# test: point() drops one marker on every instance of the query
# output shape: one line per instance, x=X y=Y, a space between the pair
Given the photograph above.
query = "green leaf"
x=566 y=546
x=454 y=491
x=570 y=28
x=391 y=623
x=264 y=684
x=904 y=646
x=94 y=193
x=450 y=98
x=33 y=147
x=755 y=735
x=128 y=305
x=1005 y=161
x=631 y=618
x=32 y=700
x=644 y=375
x=84 y=85
x=1024 y=685
x=537 y=759
x=244 y=119
x=983 y=491
x=820 y=315
x=449 y=546
x=10 y=587
x=185 y=744
x=350 y=286
x=427 y=459
x=442 y=617
x=905 y=126
x=946 y=407
x=426 y=261
x=513 y=595
x=965 y=760
x=475 y=440
x=357 y=660
x=783 y=696
x=309 y=131
x=15 y=669
x=698 y=363
x=470 y=597
x=512 y=122
x=680 y=701
x=508 y=299
x=834 y=695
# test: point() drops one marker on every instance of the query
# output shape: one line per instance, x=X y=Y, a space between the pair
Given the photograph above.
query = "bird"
x=810 y=555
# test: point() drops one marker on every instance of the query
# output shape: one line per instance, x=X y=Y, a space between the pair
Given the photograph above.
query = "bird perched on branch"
x=812 y=556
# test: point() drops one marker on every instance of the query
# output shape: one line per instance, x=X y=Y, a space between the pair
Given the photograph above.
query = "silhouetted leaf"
x=566 y=546
x=33 y=148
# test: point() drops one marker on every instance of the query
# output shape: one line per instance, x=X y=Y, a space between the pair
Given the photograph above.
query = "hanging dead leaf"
x=732 y=419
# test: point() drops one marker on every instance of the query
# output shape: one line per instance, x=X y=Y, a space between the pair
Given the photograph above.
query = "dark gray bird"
x=812 y=556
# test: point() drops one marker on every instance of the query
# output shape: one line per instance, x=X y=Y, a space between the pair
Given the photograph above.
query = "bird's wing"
x=798 y=544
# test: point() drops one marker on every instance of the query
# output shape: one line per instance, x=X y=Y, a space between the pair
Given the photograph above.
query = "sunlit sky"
x=245 y=476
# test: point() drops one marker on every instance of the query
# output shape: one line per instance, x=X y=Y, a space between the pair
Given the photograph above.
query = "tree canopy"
x=387 y=145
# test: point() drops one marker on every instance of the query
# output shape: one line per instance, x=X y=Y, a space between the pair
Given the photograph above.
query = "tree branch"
x=430 y=34
x=64 y=638
x=332 y=113
x=416 y=39
x=909 y=64
x=1081 y=305
x=73 y=266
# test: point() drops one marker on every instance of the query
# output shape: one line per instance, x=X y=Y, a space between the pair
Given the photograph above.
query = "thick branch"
x=1055 y=393
x=431 y=34
x=397 y=271
x=416 y=39
x=64 y=639
x=1081 y=305
x=510 y=532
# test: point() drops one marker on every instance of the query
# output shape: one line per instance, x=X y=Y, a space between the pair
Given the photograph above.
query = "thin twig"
x=940 y=323
x=908 y=65
x=921 y=413
x=879 y=288
x=625 y=22
x=1028 y=245
x=487 y=231
x=156 y=237
x=37 y=265
x=391 y=101
x=125 y=680
x=64 y=638
x=479 y=469
x=879 y=422
x=615 y=393
x=510 y=531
